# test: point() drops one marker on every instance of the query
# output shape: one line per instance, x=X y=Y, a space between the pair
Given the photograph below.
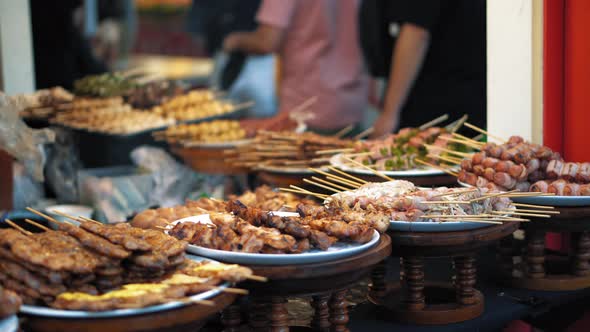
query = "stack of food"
x=110 y=116
x=263 y=197
x=90 y=267
x=290 y=150
x=152 y=94
x=205 y=132
x=524 y=166
x=10 y=302
x=104 y=85
x=195 y=105
x=254 y=230
x=46 y=103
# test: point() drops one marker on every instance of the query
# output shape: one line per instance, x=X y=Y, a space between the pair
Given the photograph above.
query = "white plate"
x=548 y=200
x=217 y=145
x=57 y=313
x=9 y=324
x=423 y=226
x=337 y=251
x=337 y=162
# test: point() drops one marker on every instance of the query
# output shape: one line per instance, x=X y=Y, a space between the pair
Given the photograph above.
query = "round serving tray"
x=75 y=314
x=548 y=200
x=338 y=251
x=433 y=227
x=337 y=162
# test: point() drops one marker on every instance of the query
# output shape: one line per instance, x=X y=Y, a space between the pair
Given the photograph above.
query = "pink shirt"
x=320 y=56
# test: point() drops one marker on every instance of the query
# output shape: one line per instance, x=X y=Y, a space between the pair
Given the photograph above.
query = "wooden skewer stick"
x=469 y=125
x=447 y=159
x=230 y=290
x=50 y=219
x=420 y=161
x=465 y=138
x=460 y=154
x=332 y=151
x=530 y=194
x=474 y=220
x=354 y=178
x=484 y=197
x=66 y=215
x=344 y=182
x=461 y=141
x=91 y=220
x=360 y=154
x=523 y=214
x=458 y=123
x=536 y=211
x=297 y=192
x=337 y=186
x=17 y=227
x=434 y=122
x=547 y=207
x=341 y=180
x=308 y=191
x=364 y=133
x=202 y=302
x=445 y=202
x=31 y=222
x=321 y=185
x=257 y=278
x=344 y=131
x=379 y=174
x=456 y=192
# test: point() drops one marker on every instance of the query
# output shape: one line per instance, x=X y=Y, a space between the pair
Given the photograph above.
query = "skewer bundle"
x=289 y=149
x=46 y=103
x=213 y=131
x=90 y=267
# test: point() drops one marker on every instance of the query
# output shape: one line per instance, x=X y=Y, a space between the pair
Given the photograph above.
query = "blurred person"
x=62 y=54
x=317 y=44
x=432 y=54
x=243 y=77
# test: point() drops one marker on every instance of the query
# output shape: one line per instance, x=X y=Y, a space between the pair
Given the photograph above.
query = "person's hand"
x=231 y=42
x=385 y=124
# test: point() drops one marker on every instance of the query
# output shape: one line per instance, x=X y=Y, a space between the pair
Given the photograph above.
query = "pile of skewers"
x=262 y=197
x=397 y=200
x=205 y=132
x=46 y=103
x=519 y=165
x=398 y=152
x=111 y=117
x=289 y=150
x=196 y=105
x=253 y=230
x=102 y=267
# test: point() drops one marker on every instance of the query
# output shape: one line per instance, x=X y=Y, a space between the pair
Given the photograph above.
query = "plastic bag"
x=20 y=141
x=62 y=167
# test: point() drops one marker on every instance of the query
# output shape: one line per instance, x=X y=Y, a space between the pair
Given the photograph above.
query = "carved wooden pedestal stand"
x=413 y=299
x=326 y=282
x=538 y=271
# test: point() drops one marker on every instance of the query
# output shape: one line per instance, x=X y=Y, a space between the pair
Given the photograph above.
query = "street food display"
x=46 y=103
x=105 y=85
x=216 y=131
x=115 y=119
x=263 y=197
x=195 y=105
x=289 y=150
x=96 y=267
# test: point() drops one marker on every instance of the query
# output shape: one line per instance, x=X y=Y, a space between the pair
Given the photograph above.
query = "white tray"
x=58 y=313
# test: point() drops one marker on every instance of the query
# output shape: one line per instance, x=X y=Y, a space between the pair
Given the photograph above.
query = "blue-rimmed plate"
x=57 y=313
x=9 y=324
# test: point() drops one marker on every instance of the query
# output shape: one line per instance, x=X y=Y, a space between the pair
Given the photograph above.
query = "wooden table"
x=186 y=318
x=326 y=282
x=414 y=300
x=536 y=270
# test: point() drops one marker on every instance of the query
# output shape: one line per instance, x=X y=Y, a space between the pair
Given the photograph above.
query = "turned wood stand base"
x=413 y=299
x=532 y=268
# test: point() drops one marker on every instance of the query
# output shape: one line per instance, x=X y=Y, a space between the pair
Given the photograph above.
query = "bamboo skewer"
x=334 y=177
x=379 y=174
x=50 y=219
x=17 y=227
x=484 y=197
x=470 y=140
x=457 y=192
x=523 y=214
x=461 y=141
x=547 y=207
x=363 y=134
x=337 y=186
x=344 y=131
x=257 y=278
x=321 y=185
x=38 y=225
x=459 y=123
x=434 y=122
x=445 y=202
x=420 y=161
x=460 y=154
x=331 y=151
x=469 y=125
x=446 y=158
x=536 y=211
x=354 y=178
x=208 y=303
x=343 y=181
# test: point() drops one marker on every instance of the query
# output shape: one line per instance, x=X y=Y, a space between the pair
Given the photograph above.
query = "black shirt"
x=453 y=76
